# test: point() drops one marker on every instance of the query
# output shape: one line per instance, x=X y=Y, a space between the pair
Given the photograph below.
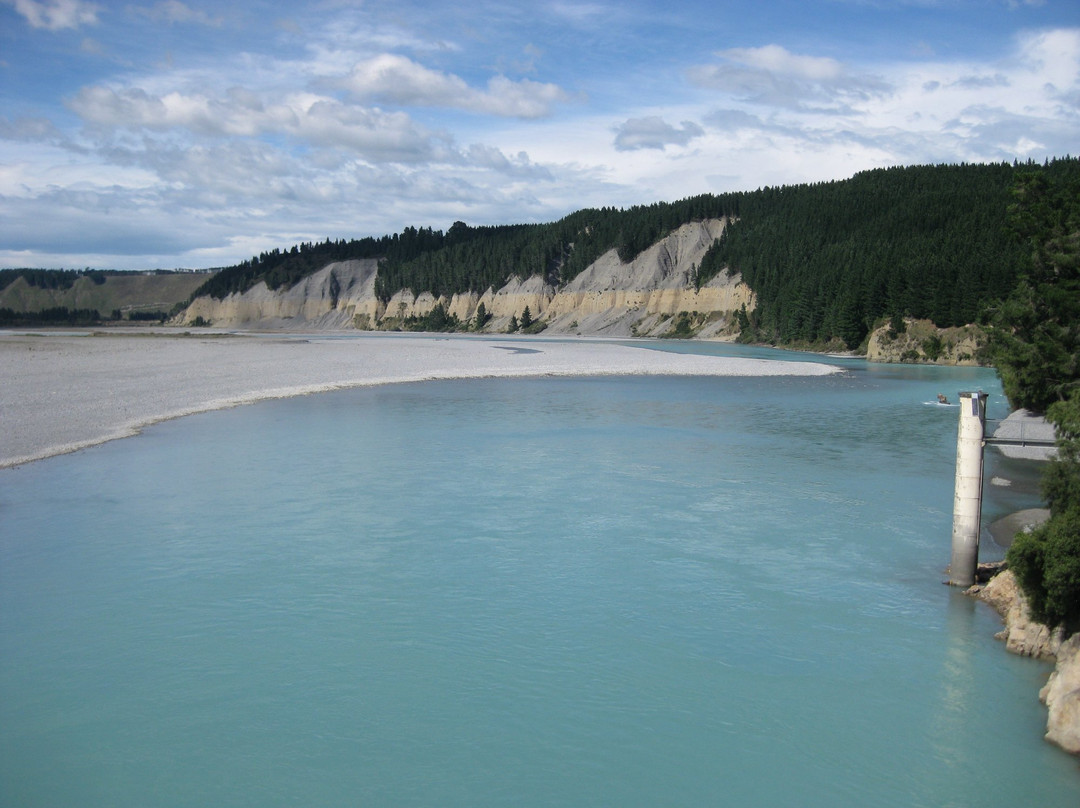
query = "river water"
x=616 y=591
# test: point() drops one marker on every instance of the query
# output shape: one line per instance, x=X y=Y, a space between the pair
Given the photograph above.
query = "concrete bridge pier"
x=967 y=502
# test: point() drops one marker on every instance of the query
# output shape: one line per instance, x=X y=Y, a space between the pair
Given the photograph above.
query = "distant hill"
x=135 y=295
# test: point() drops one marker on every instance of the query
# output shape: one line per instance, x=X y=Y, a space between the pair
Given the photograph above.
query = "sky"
x=148 y=134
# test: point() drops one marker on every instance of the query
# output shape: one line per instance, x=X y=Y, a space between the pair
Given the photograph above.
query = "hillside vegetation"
x=1035 y=341
x=829 y=260
x=826 y=261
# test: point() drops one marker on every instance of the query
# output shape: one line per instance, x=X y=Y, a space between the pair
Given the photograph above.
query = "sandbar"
x=64 y=391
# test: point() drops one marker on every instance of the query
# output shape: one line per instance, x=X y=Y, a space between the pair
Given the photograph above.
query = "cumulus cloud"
x=654 y=132
x=1022 y=104
x=398 y=80
x=54 y=15
x=308 y=118
x=775 y=76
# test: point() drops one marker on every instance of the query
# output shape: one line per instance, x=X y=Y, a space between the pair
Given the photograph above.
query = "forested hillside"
x=826 y=261
x=829 y=260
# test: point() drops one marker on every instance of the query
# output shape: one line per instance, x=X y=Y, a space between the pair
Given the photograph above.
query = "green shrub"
x=1046 y=563
x=932 y=346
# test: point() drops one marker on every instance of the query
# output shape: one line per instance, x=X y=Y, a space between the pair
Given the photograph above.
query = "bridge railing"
x=1020 y=432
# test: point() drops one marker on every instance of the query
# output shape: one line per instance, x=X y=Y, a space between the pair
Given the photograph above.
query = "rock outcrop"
x=1025 y=636
x=920 y=341
x=642 y=298
x=1061 y=695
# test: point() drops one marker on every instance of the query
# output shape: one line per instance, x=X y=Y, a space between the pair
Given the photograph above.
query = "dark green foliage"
x=482 y=317
x=526 y=318
x=435 y=320
x=54 y=278
x=1035 y=339
x=932 y=347
x=146 y=316
x=513 y=326
x=683 y=328
x=1061 y=481
x=1046 y=563
x=58 y=315
x=1047 y=560
x=827 y=261
x=712 y=264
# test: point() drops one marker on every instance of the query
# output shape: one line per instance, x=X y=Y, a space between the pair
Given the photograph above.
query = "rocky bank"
x=920 y=341
x=1024 y=636
x=645 y=297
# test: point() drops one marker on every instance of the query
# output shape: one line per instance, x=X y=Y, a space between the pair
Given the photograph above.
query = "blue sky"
x=183 y=133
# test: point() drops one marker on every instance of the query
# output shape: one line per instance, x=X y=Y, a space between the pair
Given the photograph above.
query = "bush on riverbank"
x=1046 y=561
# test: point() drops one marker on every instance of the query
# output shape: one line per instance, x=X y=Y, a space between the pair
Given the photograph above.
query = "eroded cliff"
x=645 y=297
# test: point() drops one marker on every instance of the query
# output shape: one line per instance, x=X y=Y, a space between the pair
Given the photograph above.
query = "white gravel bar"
x=64 y=391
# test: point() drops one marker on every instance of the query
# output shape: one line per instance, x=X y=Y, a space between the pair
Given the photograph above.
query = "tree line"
x=57 y=315
x=827 y=261
x=54 y=278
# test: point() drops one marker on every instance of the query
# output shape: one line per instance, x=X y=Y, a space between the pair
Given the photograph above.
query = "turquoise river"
x=618 y=591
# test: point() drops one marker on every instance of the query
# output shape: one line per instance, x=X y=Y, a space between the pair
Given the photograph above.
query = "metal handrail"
x=1044 y=434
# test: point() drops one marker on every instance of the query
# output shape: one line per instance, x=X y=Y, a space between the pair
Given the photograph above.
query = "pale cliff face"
x=329 y=298
x=609 y=297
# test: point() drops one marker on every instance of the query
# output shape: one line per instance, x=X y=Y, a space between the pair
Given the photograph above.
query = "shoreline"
x=64 y=391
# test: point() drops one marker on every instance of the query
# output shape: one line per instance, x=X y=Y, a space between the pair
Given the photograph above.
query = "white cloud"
x=921 y=111
x=54 y=15
x=398 y=80
x=304 y=117
x=654 y=132
x=773 y=76
x=775 y=59
x=1053 y=58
